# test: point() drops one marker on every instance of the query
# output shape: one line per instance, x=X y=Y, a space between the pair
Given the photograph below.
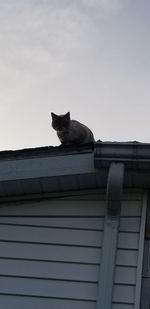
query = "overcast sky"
x=89 y=57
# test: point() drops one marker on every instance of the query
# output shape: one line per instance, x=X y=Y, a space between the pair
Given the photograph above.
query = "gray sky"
x=89 y=57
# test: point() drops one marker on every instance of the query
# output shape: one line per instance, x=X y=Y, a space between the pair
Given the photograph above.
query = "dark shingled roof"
x=58 y=149
x=45 y=150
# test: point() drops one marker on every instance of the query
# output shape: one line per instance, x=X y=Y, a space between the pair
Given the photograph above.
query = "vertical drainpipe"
x=111 y=226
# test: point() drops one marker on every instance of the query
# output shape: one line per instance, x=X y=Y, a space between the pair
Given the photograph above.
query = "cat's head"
x=60 y=122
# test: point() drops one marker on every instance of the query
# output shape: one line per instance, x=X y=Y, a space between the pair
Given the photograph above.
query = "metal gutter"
x=134 y=155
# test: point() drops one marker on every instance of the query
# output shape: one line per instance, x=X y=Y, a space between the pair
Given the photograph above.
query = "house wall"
x=128 y=267
x=51 y=252
x=145 y=294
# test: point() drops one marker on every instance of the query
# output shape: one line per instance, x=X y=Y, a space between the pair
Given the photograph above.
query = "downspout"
x=111 y=226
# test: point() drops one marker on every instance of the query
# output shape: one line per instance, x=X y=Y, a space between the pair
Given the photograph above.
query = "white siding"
x=128 y=252
x=50 y=253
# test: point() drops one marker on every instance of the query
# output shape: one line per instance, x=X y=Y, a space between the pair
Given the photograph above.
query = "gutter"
x=135 y=157
x=133 y=154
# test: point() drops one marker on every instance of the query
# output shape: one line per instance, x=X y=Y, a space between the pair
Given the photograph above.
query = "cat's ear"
x=54 y=116
x=67 y=116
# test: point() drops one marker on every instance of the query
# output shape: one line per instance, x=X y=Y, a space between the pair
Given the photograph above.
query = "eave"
x=60 y=169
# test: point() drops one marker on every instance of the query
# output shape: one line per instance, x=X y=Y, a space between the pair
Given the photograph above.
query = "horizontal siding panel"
x=131 y=208
x=53 y=236
x=48 y=288
x=124 y=293
x=125 y=279
x=122 y=306
x=69 y=222
x=125 y=275
x=54 y=208
x=50 y=252
x=49 y=270
x=127 y=257
x=128 y=240
x=130 y=224
x=45 y=303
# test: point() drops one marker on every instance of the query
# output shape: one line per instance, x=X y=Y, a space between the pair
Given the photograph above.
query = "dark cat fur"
x=71 y=132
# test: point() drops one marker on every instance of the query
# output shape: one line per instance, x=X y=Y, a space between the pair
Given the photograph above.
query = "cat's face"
x=60 y=122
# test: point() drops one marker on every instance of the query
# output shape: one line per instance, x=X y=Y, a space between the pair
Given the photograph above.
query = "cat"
x=71 y=132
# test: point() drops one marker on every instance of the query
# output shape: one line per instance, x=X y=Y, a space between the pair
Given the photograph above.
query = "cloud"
x=87 y=56
x=48 y=30
x=100 y=8
x=37 y=37
x=49 y=41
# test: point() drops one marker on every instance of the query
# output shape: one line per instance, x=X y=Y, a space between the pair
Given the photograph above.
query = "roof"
x=43 y=151
x=47 y=170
